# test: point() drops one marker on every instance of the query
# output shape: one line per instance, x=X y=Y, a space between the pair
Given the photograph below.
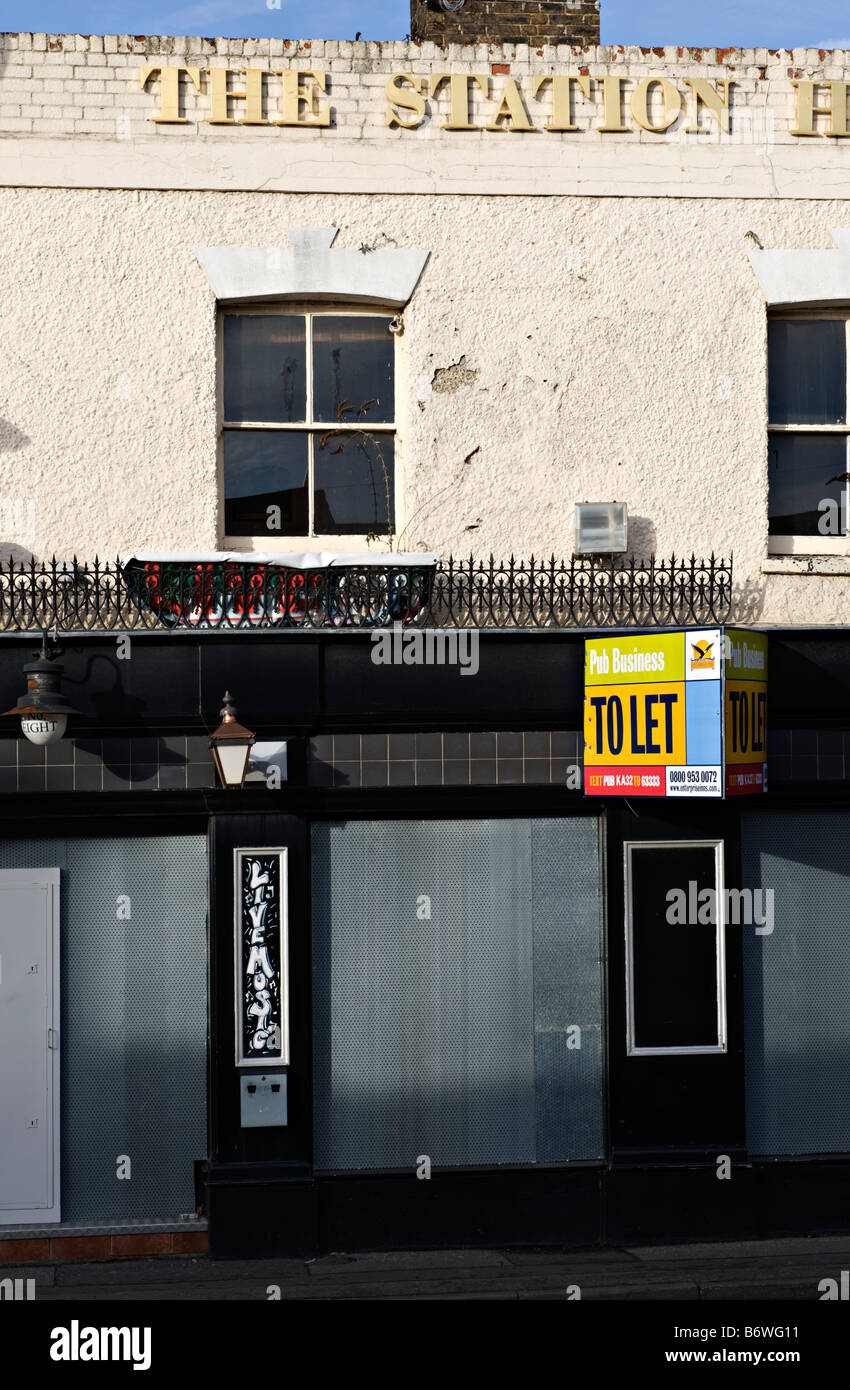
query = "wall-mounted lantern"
x=231 y=746
x=43 y=710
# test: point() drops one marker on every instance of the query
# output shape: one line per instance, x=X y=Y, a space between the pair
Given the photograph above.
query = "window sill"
x=338 y=545
x=806 y=564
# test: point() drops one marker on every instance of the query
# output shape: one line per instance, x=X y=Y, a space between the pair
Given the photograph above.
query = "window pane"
x=355 y=489
x=353 y=361
x=265 y=375
x=807 y=371
x=262 y=469
x=674 y=964
x=799 y=469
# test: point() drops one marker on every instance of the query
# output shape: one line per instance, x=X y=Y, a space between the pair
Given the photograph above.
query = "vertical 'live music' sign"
x=262 y=990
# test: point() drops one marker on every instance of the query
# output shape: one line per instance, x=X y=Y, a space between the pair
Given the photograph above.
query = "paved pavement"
x=754 y=1270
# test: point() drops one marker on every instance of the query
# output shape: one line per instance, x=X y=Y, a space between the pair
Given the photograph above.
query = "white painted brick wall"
x=357 y=73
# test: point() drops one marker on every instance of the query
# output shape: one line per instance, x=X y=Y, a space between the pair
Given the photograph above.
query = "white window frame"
x=815 y=545
x=721 y=1046
x=275 y=540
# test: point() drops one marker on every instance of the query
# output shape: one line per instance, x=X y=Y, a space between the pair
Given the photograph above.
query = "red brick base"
x=60 y=1249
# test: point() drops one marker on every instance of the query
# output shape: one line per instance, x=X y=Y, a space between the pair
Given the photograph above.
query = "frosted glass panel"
x=133 y=1008
x=797 y=983
x=452 y=961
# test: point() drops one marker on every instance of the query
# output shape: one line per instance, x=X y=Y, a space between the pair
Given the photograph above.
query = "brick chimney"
x=506 y=21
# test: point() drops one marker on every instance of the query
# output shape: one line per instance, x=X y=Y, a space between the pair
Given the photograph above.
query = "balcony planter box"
x=308 y=589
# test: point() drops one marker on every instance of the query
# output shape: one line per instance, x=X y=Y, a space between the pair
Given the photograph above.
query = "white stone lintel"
x=310 y=269
x=811 y=278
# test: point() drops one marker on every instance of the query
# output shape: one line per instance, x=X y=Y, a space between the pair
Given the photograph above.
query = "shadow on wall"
x=17 y=511
x=747 y=602
x=747 y=597
x=12 y=554
x=642 y=537
x=11 y=438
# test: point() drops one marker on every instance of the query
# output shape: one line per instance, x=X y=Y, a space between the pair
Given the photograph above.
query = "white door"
x=29 y=1045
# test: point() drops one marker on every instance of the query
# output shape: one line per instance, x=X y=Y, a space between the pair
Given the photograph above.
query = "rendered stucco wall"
x=559 y=348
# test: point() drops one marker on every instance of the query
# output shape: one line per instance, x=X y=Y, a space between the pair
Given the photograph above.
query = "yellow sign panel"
x=745 y=700
x=746 y=655
x=746 y=721
x=631 y=661
x=637 y=725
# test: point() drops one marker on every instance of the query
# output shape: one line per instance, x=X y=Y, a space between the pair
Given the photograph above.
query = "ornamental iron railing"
x=228 y=595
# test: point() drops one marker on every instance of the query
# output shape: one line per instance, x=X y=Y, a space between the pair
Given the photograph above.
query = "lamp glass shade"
x=43 y=729
x=232 y=761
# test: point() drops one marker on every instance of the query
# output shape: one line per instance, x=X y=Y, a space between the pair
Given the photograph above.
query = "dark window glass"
x=353 y=376
x=262 y=469
x=265 y=375
x=354 y=480
x=674 y=965
x=799 y=469
x=807 y=371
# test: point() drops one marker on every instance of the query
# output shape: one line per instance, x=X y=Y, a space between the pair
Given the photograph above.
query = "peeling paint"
x=449 y=379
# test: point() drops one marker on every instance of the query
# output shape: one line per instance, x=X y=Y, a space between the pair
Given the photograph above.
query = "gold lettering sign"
x=404 y=101
x=836 y=108
x=169 y=83
x=295 y=96
x=612 y=97
x=459 y=96
x=625 y=105
x=704 y=94
x=640 y=103
x=251 y=94
x=511 y=110
x=562 y=113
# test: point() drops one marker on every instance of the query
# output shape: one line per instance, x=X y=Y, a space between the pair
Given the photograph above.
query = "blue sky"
x=769 y=23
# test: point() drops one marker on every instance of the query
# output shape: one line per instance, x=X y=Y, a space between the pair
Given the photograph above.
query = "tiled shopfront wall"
x=110 y=764
x=436 y=760
x=181 y=763
x=808 y=755
x=542 y=759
